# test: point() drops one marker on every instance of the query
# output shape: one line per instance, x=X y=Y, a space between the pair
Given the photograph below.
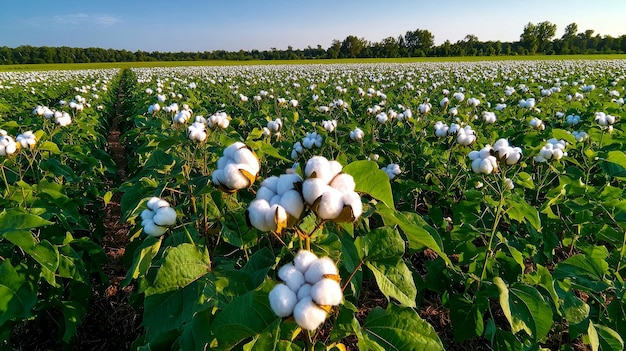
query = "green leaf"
x=49 y=146
x=195 y=335
x=526 y=180
x=466 y=318
x=17 y=220
x=417 y=231
x=17 y=294
x=519 y=210
x=380 y=243
x=574 y=309
x=400 y=328
x=395 y=280
x=107 y=197
x=563 y=134
x=245 y=316
x=143 y=258
x=584 y=272
x=525 y=309
x=182 y=265
x=609 y=339
x=592 y=334
x=371 y=180
x=73 y=312
x=259 y=264
x=617 y=157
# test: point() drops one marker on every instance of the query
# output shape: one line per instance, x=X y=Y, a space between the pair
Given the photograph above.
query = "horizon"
x=251 y=25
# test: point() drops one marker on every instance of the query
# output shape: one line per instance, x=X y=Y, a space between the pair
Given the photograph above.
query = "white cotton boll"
x=319 y=268
x=353 y=200
x=275 y=215
x=327 y=292
x=476 y=168
x=331 y=204
x=282 y=300
x=303 y=260
x=501 y=143
x=275 y=200
x=147 y=214
x=486 y=166
x=256 y=214
x=265 y=193
x=151 y=229
x=291 y=276
x=246 y=157
x=271 y=183
x=514 y=156
x=473 y=155
x=308 y=315
x=165 y=217
x=155 y=203
x=508 y=184
x=233 y=178
x=292 y=202
x=343 y=182
x=304 y=291
x=232 y=149
x=335 y=168
x=557 y=154
x=312 y=189
x=318 y=165
x=217 y=176
x=286 y=182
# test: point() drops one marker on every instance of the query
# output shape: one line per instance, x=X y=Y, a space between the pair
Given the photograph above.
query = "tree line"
x=535 y=39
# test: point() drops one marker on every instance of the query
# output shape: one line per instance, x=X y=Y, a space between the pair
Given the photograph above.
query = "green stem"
x=499 y=213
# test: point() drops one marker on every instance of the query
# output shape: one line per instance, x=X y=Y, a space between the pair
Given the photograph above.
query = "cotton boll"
x=353 y=200
x=331 y=204
x=246 y=157
x=292 y=202
x=291 y=276
x=312 y=189
x=217 y=176
x=303 y=260
x=147 y=214
x=275 y=200
x=275 y=215
x=318 y=269
x=286 y=182
x=257 y=213
x=335 y=168
x=304 y=291
x=271 y=183
x=152 y=229
x=282 y=300
x=318 y=167
x=233 y=178
x=265 y=193
x=308 y=315
x=165 y=217
x=327 y=292
x=343 y=182
x=230 y=151
x=154 y=203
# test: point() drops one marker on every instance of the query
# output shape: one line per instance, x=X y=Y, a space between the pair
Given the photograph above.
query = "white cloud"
x=83 y=18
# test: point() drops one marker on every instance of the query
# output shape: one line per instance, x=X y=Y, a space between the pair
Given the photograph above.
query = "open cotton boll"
x=318 y=167
x=308 y=315
x=282 y=300
x=265 y=193
x=304 y=291
x=292 y=202
x=291 y=276
x=217 y=176
x=335 y=168
x=245 y=157
x=271 y=183
x=476 y=165
x=312 y=189
x=165 y=216
x=287 y=182
x=257 y=214
x=320 y=268
x=327 y=292
x=275 y=215
x=154 y=203
x=150 y=228
x=473 y=155
x=232 y=149
x=353 y=200
x=147 y=214
x=331 y=204
x=233 y=178
x=343 y=182
x=303 y=260
x=275 y=200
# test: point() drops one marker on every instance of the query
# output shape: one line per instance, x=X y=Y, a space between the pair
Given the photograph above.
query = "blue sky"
x=247 y=24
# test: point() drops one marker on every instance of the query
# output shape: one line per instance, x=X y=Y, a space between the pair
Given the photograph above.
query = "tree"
x=537 y=37
x=419 y=41
x=352 y=46
x=570 y=31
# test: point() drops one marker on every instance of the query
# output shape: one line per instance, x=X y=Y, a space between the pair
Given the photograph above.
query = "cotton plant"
x=554 y=149
x=507 y=153
x=218 y=120
x=236 y=169
x=605 y=121
x=329 y=125
x=310 y=287
x=157 y=217
x=273 y=127
x=278 y=203
x=489 y=117
x=483 y=161
x=27 y=140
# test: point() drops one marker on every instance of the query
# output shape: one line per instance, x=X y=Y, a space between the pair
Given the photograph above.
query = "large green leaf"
x=466 y=318
x=16 y=220
x=400 y=328
x=17 y=294
x=618 y=157
x=245 y=316
x=195 y=335
x=380 y=243
x=259 y=264
x=182 y=265
x=371 y=180
x=519 y=210
x=525 y=309
x=585 y=272
x=609 y=339
x=417 y=231
x=143 y=258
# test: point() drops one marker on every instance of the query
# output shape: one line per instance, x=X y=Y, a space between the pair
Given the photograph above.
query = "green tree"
x=419 y=41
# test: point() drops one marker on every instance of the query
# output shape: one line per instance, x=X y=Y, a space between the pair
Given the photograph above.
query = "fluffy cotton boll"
x=265 y=193
x=282 y=300
x=276 y=214
x=357 y=134
x=271 y=183
x=343 y=182
x=444 y=102
x=292 y=277
x=147 y=214
x=165 y=217
x=458 y=96
x=557 y=154
x=151 y=229
x=303 y=260
x=308 y=315
x=233 y=178
x=287 y=182
x=304 y=291
x=486 y=166
x=26 y=140
x=155 y=203
x=537 y=123
x=327 y=292
x=382 y=117
x=318 y=167
x=476 y=165
x=292 y=202
x=508 y=184
x=489 y=117
x=514 y=155
x=353 y=200
x=244 y=156
x=331 y=204
x=441 y=129
x=319 y=269
x=424 y=108
x=257 y=211
x=275 y=200
x=473 y=155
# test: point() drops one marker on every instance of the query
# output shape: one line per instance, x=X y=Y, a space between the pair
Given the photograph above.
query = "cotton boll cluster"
x=405 y=116
x=157 y=217
x=236 y=169
x=473 y=102
x=329 y=125
x=197 y=130
x=553 y=150
x=441 y=129
x=293 y=103
x=7 y=144
x=273 y=128
x=218 y=120
x=296 y=150
x=605 y=120
x=43 y=111
x=507 y=153
x=329 y=192
x=489 y=117
x=483 y=161
x=508 y=91
x=392 y=170
x=466 y=136
x=310 y=286
x=181 y=117
x=572 y=119
x=444 y=102
x=382 y=117
x=374 y=110
x=161 y=98
x=424 y=108
x=458 y=96
x=453 y=111
x=537 y=123
x=528 y=103
x=311 y=140
x=500 y=107
x=62 y=118
x=580 y=136
x=357 y=134
x=27 y=140
x=152 y=109
x=278 y=203
x=588 y=88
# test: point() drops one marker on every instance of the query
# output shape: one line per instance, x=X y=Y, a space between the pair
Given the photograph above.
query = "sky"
x=208 y=25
